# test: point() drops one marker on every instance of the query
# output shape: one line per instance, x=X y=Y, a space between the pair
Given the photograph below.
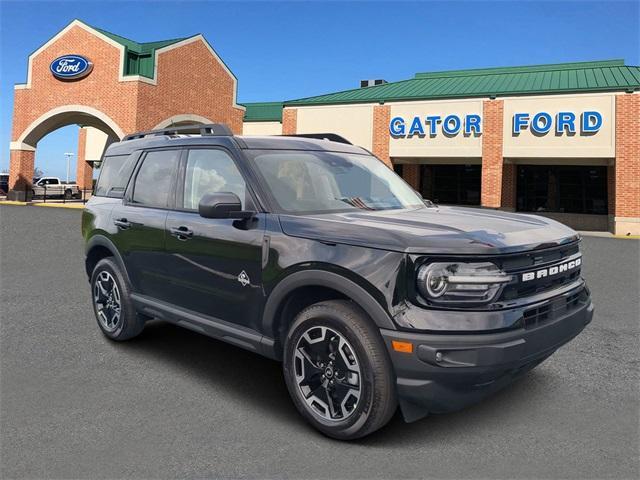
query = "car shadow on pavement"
x=481 y=416
x=227 y=368
x=242 y=373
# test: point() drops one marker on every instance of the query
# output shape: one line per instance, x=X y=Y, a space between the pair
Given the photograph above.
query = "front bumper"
x=447 y=372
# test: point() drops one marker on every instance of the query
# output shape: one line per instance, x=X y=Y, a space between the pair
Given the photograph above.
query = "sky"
x=287 y=50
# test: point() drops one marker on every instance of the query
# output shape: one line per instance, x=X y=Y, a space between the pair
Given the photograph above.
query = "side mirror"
x=222 y=205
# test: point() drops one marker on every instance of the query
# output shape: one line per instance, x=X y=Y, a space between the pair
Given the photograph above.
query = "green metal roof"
x=608 y=75
x=139 y=57
x=263 y=112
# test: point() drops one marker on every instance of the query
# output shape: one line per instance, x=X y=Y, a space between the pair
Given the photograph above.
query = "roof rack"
x=219 y=129
x=334 y=137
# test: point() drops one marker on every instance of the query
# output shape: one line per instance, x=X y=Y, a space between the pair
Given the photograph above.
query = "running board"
x=210 y=326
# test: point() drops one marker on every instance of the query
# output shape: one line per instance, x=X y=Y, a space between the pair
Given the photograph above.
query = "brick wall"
x=289 y=121
x=21 y=163
x=492 y=161
x=411 y=174
x=133 y=105
x=381 y=135
x=206 y=91
x=509 y=180
x=627 y=166
x=611 y=189
x=84 y=170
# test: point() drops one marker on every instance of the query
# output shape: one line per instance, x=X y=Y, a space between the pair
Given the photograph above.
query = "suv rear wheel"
x=337 y=370
x=110 y=294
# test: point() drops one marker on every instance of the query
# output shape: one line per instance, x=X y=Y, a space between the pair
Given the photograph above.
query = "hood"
x=431 y=230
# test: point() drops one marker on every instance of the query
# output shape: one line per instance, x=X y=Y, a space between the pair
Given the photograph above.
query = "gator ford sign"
x=433 y=125
x=539 y=123
x=71 y=67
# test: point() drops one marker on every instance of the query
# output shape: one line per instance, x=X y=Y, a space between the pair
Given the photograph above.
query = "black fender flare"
x=102 y=241
x=321 y=278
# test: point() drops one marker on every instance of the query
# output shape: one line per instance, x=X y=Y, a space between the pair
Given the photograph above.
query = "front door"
x=141 y=219
x=215 y=264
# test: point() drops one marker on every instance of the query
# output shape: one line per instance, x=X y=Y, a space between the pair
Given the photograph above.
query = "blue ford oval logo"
x=71 y=67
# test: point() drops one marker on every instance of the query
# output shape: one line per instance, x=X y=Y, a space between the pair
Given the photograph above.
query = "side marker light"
x=403 y=347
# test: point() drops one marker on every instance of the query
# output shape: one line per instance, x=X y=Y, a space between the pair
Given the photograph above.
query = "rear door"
x=215 y=263
x=54 y=187
x=140 y=220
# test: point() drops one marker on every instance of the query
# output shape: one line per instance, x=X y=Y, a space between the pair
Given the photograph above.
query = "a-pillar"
x=492 y=161
x=84 y=169
x=21 y=165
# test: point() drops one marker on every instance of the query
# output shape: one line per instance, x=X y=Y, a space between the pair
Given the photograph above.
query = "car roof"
x=272 y=142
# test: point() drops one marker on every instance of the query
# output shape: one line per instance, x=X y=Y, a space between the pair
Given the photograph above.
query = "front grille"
x=555 y=308
x=533 y=262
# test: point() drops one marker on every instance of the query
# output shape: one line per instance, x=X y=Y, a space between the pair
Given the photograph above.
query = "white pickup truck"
x=53 y=187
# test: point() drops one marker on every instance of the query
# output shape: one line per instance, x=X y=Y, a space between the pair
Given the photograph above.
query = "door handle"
x=181 y=232
x=122 y=223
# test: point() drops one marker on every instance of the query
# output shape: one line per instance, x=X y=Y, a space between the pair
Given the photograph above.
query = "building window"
x=562 y=188
x=451 y=184
x=397 y=167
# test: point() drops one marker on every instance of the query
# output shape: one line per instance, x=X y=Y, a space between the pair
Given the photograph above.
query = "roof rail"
x=219 y=129
x=334 y=137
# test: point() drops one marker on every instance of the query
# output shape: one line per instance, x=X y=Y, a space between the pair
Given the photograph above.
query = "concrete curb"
x=76 y=206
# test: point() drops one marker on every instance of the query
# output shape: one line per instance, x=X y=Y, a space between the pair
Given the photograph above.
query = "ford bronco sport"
x=309 y=250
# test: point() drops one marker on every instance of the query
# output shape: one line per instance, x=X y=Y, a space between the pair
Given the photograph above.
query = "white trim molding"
x=21 y=146
x=121 y=48
x=185 y=117
x=23 y=141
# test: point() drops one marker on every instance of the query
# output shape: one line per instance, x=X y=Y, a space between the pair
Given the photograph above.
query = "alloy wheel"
x=106 y=297
x=327 y=373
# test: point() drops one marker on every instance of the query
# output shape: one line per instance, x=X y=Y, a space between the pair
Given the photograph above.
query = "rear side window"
x=154 y=179
x=114 y=175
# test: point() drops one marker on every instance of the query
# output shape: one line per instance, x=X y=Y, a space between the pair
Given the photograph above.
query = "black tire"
x=129 y=323
x=377 y=400
x=68 y=194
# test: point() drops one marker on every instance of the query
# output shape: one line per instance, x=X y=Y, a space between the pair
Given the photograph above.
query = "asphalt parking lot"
x=175 y=404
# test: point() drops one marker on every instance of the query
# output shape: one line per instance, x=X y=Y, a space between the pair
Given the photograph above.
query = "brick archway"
x=24 y=148
x=183 y=119
x=132 y=87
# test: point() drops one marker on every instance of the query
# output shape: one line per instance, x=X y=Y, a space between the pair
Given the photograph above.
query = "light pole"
x=68 y=155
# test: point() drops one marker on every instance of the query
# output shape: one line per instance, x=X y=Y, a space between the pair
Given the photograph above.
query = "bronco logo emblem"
x=243 y=278
x=551 y=271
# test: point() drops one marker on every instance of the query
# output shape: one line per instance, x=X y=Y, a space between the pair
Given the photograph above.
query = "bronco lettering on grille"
x=551 y=271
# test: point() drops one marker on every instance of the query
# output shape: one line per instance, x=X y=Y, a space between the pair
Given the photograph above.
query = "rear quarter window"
x=115 y=172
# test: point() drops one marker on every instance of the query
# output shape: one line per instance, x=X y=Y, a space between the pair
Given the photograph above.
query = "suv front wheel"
x=337 y=370
x=110 y=294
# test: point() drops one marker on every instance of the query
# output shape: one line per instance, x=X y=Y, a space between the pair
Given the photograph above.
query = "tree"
x=38 y=172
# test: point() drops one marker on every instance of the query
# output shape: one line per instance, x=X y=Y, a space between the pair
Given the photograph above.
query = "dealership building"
x=558 y=140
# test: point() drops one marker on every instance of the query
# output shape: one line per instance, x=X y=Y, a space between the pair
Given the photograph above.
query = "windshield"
x=314 y=182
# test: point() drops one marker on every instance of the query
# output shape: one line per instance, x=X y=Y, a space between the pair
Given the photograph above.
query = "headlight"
x=459 y=282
